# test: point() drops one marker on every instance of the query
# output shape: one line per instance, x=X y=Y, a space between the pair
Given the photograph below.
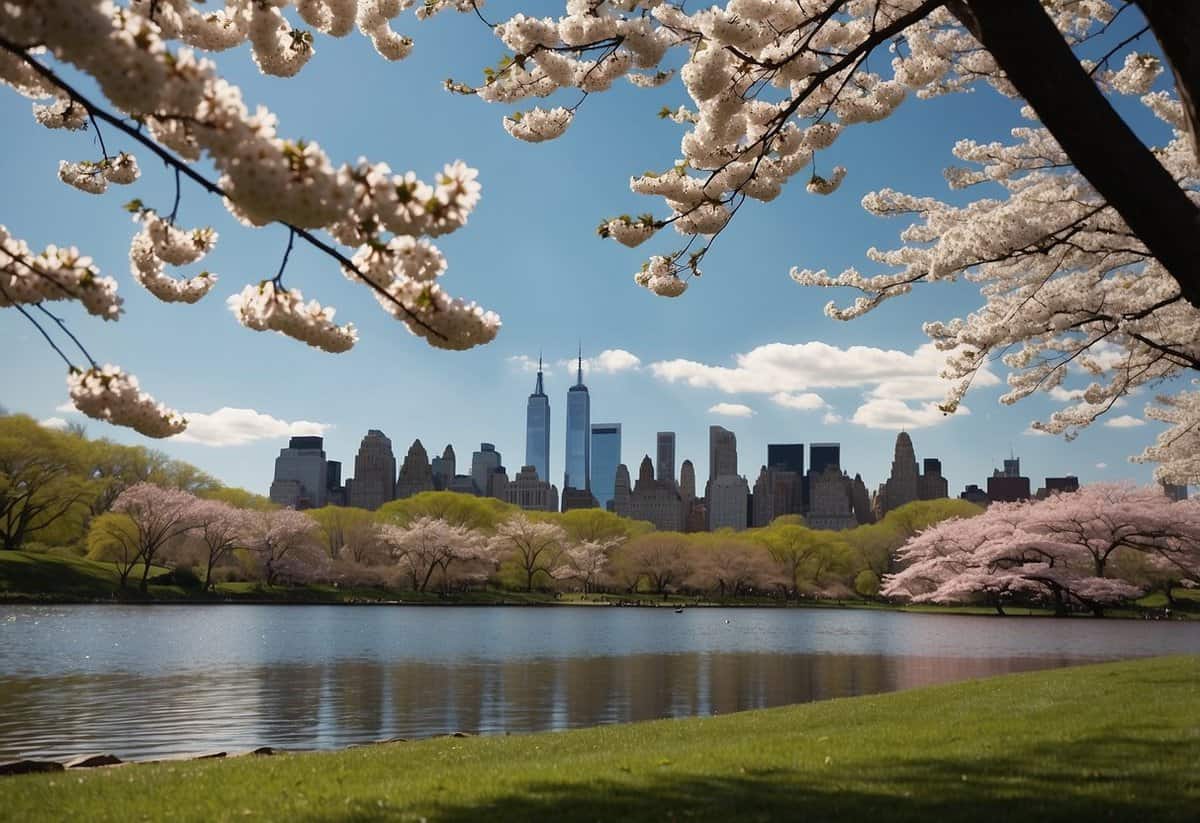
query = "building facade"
x=301 y=479
x=606 y=456
x=656 y=501
x=537 y=428
x=829 y=503
x=531 y=493
x=416 y=475
x=578 y=472
x=664 y=464
x=443 y=468
x=483 y=463
x=728 y=503
x=374 y=472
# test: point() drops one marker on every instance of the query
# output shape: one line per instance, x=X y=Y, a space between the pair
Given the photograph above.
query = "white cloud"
x=803 y=402
x=526 y=363
x=894 y=414
x=53 y=423
x=782 y=368
x=731 y=410
x=236 y=427
x=1064 y=395
x=1102 y=466
x=609 y=361
x=1125 y=421
x=831 y=418
x=66 y=408
x=1032 y=432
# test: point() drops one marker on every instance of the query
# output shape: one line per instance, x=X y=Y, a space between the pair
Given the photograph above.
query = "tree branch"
x=1043 y=69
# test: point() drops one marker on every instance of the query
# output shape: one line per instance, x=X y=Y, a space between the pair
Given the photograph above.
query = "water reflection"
x=326 y=705
x=146 y=683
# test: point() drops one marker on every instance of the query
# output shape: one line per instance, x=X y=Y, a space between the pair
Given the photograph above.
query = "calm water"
x=145 y=682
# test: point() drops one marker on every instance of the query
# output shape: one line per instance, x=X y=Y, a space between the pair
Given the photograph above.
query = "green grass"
x=1113 y=741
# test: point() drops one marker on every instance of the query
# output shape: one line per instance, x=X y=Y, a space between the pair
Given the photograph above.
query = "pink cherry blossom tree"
x=285 y=545
x=1059 y=548
x=430 y=545
x=219 y=527
x=159 y=516
x=586 y=562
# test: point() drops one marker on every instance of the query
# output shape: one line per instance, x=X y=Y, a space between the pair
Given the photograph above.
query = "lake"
x=153 y=681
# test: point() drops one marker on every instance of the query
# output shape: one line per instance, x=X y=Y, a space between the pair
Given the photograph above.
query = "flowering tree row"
x=1101 y=545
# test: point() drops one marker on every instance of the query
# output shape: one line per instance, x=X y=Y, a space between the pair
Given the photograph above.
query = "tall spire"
x=538 y=390
x=579 y=373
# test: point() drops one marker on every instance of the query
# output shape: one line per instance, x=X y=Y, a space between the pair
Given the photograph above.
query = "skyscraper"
x=786 y=456
x=416 y=475
x=789 y=457
x=665 y=464
x=374 y=472
x=579 y=441
x=483 y=463
x=606 y=456
x=301 y=474
x=821 y=455
x=537 y=429
x=722 y=453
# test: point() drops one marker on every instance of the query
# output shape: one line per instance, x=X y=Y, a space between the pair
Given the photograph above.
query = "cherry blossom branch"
x=63 y=326
x=38 y=326
x=206 y=184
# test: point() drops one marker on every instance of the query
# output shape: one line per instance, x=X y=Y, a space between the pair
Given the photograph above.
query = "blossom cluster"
x=147 y=58
x=93 y=177
x=161 y=243
x=107 y=393
x=268 y=307
x=54 y=274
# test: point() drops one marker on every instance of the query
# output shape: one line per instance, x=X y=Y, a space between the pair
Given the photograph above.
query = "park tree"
x=662 y=559
x=598 y=525
x=157 y=95
x=349 y=533
x=160 y=516
x=112 y=537
x=219 y=528
x=586 y=561
x=42 y=478
x=533 y=546
x=1059 y=549
x=731 y=567
x=429 y=546
x=284 y=543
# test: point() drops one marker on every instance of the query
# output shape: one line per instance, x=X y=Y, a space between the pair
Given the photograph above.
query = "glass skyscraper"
x=537 y=429
x=579 y=435
x=606 y=456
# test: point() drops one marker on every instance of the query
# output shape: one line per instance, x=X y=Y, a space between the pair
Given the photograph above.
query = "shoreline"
x=1127 y=613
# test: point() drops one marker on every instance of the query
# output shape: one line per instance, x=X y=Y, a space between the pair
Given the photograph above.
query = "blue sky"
x=530 y=253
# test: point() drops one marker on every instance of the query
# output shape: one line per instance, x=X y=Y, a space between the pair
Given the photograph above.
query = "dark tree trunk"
x=1043 y=69
x=1176 y=25
x=144 y=586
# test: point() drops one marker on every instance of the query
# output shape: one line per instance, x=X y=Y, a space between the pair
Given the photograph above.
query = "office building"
x=301 y=474
x=483 y=463
x=577 y=474
x=606 y=456
x=665 y=462
x=374 y=481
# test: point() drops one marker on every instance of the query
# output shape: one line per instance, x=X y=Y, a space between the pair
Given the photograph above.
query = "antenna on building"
x=579 y=376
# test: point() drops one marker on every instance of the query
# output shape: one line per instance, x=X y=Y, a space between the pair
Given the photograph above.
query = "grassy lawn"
x=1113 y=741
